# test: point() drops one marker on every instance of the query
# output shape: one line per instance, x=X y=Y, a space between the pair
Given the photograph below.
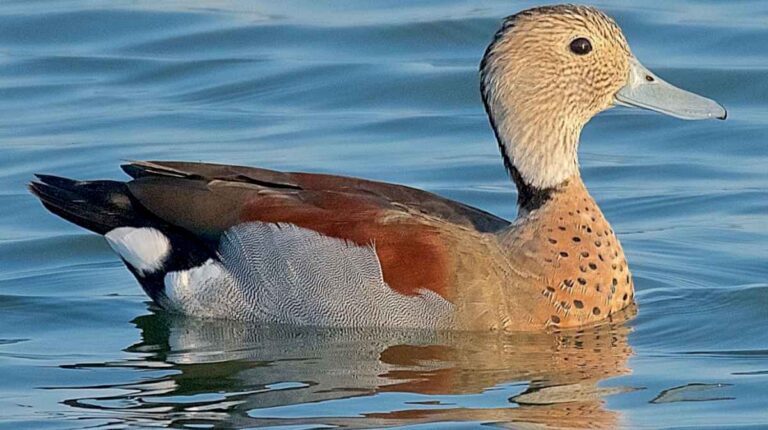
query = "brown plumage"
x=405 y=225
x=559 y=264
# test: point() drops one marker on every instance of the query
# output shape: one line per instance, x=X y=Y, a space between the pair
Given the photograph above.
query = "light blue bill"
x=647 y=91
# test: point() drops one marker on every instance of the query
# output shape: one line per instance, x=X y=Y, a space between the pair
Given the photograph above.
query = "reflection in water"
x=694 y=392
x=234 y=374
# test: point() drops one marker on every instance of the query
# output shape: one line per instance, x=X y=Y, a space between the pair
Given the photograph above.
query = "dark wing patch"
x=208 y=172
x=412 y=198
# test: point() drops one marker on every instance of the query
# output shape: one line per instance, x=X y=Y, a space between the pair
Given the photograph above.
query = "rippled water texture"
x=385 y=90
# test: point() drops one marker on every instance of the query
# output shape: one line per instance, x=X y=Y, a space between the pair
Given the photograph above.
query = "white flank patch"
x=143 y=248
x=188 y=290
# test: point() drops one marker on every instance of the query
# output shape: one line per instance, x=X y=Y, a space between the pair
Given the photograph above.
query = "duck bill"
x=647 y=91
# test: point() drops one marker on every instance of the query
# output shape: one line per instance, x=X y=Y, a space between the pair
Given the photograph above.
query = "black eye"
x=581 y=46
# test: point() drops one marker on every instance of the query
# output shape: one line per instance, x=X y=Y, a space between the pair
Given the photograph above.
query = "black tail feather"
x=98 y=206
x=102 y=206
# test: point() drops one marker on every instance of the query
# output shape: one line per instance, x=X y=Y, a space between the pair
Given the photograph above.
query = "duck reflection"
x=229 y=374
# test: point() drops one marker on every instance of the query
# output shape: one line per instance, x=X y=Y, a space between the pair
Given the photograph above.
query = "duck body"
x=221 y=241
x=218 y=241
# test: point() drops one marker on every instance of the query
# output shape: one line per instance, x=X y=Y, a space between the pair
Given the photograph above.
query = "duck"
x=245 y=243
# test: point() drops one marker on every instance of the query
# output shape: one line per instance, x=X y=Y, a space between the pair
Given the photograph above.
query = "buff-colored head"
x=551 y=69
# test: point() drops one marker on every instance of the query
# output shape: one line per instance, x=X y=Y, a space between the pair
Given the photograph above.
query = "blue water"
x=385 y=90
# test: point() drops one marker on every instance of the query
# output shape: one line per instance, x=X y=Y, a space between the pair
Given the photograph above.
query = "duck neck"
x=539 y=151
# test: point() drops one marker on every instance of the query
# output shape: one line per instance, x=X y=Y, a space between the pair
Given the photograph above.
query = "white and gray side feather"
x=286 y=274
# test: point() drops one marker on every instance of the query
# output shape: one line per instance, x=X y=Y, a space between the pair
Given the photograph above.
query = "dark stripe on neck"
x=529 y=198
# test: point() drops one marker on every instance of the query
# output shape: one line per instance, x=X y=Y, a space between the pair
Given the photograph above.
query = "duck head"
x=548 y=71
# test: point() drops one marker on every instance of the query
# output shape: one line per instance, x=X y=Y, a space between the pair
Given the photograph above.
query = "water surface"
x=385 y=90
